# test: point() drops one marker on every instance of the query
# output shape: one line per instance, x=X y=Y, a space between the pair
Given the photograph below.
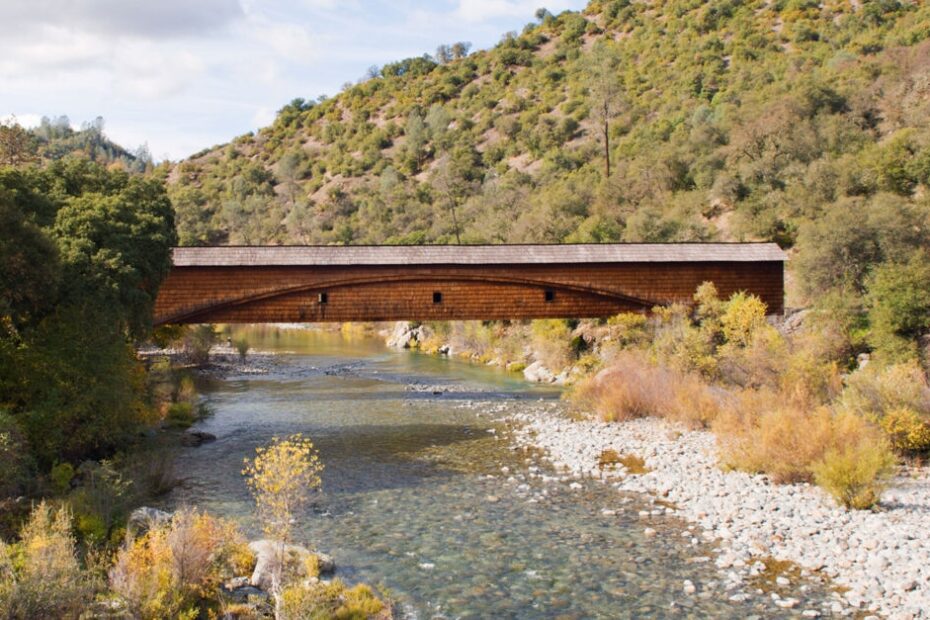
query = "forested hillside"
x=54 y=139
x=783 y=120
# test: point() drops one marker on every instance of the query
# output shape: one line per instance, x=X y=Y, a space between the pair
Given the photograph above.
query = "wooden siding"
x=254 y=294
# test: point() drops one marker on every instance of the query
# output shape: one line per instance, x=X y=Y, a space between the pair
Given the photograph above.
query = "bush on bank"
x=779 y=404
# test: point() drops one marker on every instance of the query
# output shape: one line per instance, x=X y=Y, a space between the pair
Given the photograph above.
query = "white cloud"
x=263 y=117
x=145 y=18
x=26 y=120
x=183 y=75
x=486 y=10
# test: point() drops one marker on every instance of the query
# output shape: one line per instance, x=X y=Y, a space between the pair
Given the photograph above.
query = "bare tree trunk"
x=607 y=149
x=455 y=222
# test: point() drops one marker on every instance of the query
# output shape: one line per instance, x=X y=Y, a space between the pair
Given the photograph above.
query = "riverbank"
x=880 y=558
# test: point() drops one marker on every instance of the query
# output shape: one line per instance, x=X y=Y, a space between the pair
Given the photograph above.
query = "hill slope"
x=730 y=119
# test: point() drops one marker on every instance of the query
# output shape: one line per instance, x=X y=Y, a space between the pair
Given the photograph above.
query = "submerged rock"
x=193 y=439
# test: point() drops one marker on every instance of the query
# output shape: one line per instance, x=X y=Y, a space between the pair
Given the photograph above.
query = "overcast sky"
x=182 y=75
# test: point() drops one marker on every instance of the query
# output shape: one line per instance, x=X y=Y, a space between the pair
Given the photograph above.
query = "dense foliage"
x=82 y=253
x=801 y=122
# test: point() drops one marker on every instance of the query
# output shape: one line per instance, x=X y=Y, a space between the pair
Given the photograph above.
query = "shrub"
x=176 y=568
x=629 y=388
x=632 y=387
x=875 y=390
x=333 y=600
x=281 y=477
x=907 y=430
x=180 y=415
x=242 y=347
x=855 y=469
x=899 y=306
x=628 y=329
x=743 y=314
x=40 y=577
x=61 y=476
x=780 y=441
x=198 y=341
x=101 y=501
x=552 y=343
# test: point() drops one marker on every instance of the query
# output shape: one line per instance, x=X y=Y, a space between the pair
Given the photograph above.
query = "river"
x=424 y=495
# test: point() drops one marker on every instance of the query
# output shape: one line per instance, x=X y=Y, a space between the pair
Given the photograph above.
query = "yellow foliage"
x=281 y=477
x=873 y=391
x=780 y=441
x=907 y=430
x=175 y=567
x=743 y=314
x=329 y=601
x=41 y=577
x=855 y=469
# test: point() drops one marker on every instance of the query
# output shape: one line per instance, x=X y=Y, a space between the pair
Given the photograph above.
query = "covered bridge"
x=273 y=284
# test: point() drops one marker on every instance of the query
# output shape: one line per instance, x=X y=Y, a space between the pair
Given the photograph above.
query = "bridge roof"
x=259 y=256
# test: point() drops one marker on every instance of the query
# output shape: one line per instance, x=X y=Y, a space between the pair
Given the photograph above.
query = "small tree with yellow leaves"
x=282 y=477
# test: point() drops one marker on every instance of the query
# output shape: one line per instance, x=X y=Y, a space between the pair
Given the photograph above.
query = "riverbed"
x=425 y=494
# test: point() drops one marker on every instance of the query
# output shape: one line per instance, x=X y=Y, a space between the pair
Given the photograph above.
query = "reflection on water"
x=423 y=494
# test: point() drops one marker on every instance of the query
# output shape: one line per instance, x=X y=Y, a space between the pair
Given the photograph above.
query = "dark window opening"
x=437 y=297
x=550 y=296
x=323 y=298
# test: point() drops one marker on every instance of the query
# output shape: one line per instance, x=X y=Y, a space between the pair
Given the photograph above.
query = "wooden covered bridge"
x=275 y=284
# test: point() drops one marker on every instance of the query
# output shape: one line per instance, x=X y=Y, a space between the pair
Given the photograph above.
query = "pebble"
x=881 y=558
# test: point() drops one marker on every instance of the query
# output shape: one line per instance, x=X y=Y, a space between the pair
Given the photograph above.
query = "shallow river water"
x=424 y=496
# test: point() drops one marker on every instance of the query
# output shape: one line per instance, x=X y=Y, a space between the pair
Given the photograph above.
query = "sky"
x=184 y=75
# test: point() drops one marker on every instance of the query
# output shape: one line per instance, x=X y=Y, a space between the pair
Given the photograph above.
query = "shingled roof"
x=258 y=256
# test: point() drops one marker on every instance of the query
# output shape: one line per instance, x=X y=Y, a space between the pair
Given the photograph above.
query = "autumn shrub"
x=855 y=468
x=907 y=430
x=175 y=569
x=551 y=339
x=628 y=329
x=810 y=380
x=875 y=390
x=329 y=600
x=282 y=477
x=762 y=435
x=40 y=576
x=761 y=363
x=631 y=387
x=743 y=314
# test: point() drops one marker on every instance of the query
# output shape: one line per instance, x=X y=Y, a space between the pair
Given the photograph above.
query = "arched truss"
x=191 y=316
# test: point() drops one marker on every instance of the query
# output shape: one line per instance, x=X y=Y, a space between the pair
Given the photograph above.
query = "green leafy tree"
x=898 y=300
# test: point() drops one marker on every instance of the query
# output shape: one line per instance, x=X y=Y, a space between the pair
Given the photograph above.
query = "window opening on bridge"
x=550 y=296
x=437 y=297
x=323 y=298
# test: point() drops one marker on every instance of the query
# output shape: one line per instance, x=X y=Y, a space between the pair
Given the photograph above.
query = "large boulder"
x=402 y=336
x=538 y=373
x=268 y=554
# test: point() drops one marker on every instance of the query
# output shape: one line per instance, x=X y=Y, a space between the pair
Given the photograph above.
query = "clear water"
x=414 y=497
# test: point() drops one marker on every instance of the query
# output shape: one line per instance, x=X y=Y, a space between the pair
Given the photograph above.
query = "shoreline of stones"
x=879 y=559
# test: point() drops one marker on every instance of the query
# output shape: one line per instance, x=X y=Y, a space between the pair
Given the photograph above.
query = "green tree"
x=898 y=298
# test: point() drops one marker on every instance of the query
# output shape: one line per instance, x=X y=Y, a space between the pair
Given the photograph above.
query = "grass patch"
x=631 y=463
